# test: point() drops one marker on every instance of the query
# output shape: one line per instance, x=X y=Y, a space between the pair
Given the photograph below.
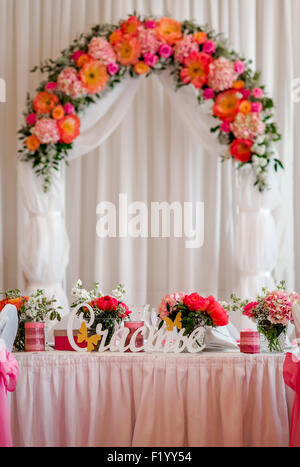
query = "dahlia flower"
x=183 y=48
x=221 y=74
x=100 y=49
x=46 y=131
x=247 y=126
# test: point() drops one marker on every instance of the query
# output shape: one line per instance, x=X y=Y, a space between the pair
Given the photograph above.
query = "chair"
x=9 y=370
x=291 y=375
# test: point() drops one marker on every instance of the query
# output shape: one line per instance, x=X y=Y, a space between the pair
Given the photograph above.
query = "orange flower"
x=17 y=302
x=131 y=26
x=69 y=128
x=227 y=105
x=44 y=102
x=245 y=107
x=94 y=76
x=83 y=59
x=115 y=36
x=128 y=51
x=196 y=69
x=239 y=84
x=58 y=112
x=200 y=37
x=240 y=150
x=169 y=30
x=141 y=68
x=33 y=143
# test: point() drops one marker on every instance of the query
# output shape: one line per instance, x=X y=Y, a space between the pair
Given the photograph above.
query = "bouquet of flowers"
x=35 y=308
x=272 y=312
x=191 y=311
x=108 y=309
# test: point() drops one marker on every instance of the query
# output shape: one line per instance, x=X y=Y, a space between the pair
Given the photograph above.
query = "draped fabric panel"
x=150 y=156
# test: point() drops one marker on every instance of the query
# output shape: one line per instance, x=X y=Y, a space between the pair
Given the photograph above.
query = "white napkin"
x=221 y=338
x=9 y=325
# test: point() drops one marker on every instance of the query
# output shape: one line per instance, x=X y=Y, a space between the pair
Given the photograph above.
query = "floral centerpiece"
x=34 y=308
x=271 y=312
x=195 y=55
x=191 y=311
x=108 y=309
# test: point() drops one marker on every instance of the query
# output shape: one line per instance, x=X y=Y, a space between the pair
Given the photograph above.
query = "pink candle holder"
x=34 y=337
x=249 y=341
x=133 y=326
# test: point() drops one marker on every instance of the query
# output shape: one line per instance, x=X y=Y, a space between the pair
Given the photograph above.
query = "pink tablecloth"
x=209 y=399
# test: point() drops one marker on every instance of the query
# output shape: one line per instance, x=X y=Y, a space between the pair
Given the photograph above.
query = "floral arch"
x=91 y=73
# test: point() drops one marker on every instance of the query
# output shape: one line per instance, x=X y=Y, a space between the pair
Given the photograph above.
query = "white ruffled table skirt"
x=159 y=400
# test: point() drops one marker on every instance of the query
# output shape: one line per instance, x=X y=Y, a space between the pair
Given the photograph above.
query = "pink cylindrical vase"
x=34 y=337
x=133 y=326
x=249 y=341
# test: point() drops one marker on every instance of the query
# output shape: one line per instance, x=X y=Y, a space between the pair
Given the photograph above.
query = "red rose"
x=195 y=302
x=106 y=303
x=217 y=312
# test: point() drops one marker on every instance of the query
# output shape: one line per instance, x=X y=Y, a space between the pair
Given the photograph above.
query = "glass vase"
x=275 y=345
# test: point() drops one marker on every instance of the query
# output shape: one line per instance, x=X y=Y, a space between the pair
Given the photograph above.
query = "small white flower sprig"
x=81 y=295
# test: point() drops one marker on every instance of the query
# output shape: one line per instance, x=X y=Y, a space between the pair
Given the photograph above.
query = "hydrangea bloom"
x=247 y=126
x=222 y=74
x=183 y=48
x=46 y=131
x=100 y=49
x=69 y=83
x=149 y=41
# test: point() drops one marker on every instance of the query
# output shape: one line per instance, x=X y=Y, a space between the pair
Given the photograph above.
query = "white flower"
x=261 y=150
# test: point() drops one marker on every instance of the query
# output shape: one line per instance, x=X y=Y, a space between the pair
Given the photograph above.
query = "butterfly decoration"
x=92 y=341
x=171 y=324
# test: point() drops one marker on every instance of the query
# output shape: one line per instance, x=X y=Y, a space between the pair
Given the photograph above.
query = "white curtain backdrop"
x=151 y=155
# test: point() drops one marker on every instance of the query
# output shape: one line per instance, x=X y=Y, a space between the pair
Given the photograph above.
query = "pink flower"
x=221 y=74
x=77 y=54
x=46 y=131
x=151 y=59
x=245 y=93
x=248 y=309
x=225 y=127
x=171 y=299
x=247 y=126
x=149 y=42
x=31 y=119
x=69 y=83
x=165 y=50
x=150 y=24
x=69 y=108
x=208 y=93
x=209 y=47
x=256 y=107
x=100 y=49
x=239 y=67
x=51 y=86
x=183 y=48
x=257 y=93
x=112 y=68
x=279 y=306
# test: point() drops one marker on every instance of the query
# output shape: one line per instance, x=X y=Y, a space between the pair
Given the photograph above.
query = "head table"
x=150 y=399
